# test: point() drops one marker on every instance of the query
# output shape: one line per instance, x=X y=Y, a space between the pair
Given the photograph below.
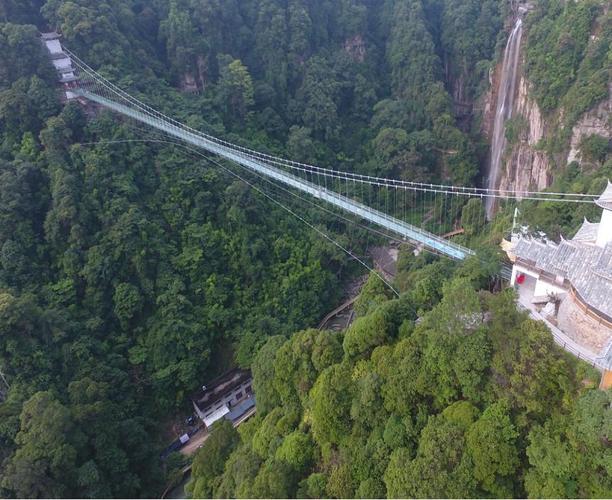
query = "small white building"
x=222 y=395
x=61 y=61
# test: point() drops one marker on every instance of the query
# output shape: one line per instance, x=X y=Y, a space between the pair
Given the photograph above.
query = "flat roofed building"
x=63 y=64
x=241 y=411
x=61 y=61
x=53 y=45
x=215 y=415
x=221 y=395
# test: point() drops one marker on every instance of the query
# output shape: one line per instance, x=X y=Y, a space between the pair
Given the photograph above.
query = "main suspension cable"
x=341 y=175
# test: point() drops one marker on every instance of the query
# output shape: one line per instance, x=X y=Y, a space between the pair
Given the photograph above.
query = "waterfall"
x=503 y=109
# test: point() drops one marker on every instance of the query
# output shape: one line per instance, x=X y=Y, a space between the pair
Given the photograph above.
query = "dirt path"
x=340 y=318
x=195 y=442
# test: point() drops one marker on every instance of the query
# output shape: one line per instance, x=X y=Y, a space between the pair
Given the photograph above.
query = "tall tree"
x=45 y=463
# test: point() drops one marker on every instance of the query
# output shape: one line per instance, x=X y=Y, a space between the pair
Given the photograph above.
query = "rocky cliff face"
x=525 y=165
x=197 y=80
x=596 y=122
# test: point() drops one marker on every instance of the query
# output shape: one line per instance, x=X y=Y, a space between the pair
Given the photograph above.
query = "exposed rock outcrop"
x=355 y=47
x=525 y=165
x=595 y=122
x=194 y=82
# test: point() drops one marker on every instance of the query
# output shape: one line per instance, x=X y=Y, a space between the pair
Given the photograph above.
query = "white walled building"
x=221 y=396
x=604 y=231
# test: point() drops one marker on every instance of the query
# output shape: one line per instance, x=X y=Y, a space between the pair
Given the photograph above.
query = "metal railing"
x=405 y=230
x=563 y=341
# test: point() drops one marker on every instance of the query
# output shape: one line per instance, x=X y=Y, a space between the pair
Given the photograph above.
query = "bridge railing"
x=402 y=228
x=90 y=78
x=566 y=343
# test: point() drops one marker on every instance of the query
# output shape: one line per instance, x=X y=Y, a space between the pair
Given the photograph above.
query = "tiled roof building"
x=581 y=266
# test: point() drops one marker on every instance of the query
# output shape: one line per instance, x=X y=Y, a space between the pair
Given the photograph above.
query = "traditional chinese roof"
x=529 y=249
x=604 y=264
x=58 y=55
x=562 y=259
x=587 y=232
x=546 y=256
x=587 y=267
x=605 y=200
x=594 y=284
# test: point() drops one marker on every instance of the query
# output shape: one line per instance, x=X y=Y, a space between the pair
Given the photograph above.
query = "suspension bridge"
x=409 y=210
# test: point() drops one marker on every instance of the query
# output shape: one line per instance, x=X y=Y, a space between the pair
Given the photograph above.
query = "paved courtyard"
x=582 y=328
x=571 y=328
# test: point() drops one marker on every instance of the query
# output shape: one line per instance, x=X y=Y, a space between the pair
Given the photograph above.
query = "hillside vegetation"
x=133 y=271
x=472 y=400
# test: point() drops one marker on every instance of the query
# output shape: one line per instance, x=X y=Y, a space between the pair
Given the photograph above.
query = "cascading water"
x=503 y=109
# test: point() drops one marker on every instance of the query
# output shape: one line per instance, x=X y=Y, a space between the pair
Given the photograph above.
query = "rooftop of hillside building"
x=582 y=264
x=578 y=263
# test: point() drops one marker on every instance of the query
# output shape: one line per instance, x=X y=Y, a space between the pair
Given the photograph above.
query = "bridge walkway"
x=403 y=229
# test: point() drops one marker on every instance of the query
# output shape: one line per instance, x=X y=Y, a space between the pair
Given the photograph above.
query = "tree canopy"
x=132 y=270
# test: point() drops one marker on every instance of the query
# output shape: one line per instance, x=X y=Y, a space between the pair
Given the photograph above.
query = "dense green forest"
x=130 y=272
x=472 y=399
